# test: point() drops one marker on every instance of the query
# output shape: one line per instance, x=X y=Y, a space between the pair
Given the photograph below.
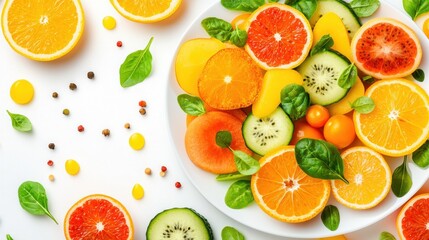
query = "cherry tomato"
x=304 y=130
x=340 y=131
x=317 y=116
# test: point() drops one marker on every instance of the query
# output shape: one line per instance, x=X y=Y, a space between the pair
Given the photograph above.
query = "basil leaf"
x=239 y=195
x=363 y=105
x=217 y=28
x=331 y=217
x=191 y=105
x=364 y=8
x=421 y=155
x=401 y=180
x=238 y=37
x=8 y=237
x=242 y=5
x=414 y=8
x=419 y=75
x=319 y=159
x=368 y=79
x=294 y=101
x=20 y=122
x=223 y=139
x=230 y=233
x=136 y=67
x=33 y=199
x=325 y=43
x=307 y=7
x=232 y=176
x=246 y=164
x=348 y=77
x=386 y=236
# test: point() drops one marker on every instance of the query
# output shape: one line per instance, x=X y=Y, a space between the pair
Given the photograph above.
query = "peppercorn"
x=72 y=86
x=162 y=174
x=54 y=94
x=127 y=126
x=178 y=185
x=90 y=75
x=50 y=163
x=51 y=178
x=51 y=146
x=106 y=132
x=164 y=168
x=80 y=128
x=119 y=43
x=66 y=111
x=148 y=171
x=142 y=111
x=142 y=103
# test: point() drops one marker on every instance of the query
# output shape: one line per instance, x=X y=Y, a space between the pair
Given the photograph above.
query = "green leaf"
x=414 y=8
x=238 y=37
x=419 y=75
x=230 y=233
x=239 y=195
x=136 y=67
x=331 y=217
x=348 y=77
x=401 y=180
x=364 y=8
x=294 y=101
x=386 y=236
x=20 y=122
x=421 y=155
x=325 y=43
x=232 y=176
x=307 y=7
x=191 y=105
x=246 y=164
x=217 y=28
x=33 y=199
x=368 y=79
x=8 y=237
x=223 y=139
x=242 y=5
x=319 y=159
x=363 y=105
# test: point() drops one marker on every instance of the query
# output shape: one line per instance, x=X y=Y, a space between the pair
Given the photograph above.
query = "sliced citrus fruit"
x=279 y=36
x=423 y=22
x=369 y=179
x=230 y=80
x=284 y=191
x=386 y=48
x=98 y=217
x=146 y=11
x=399 y=123
x=42 y=30
x=412 y=221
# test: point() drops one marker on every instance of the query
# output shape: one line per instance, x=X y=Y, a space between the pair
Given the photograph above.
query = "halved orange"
x=42 y=30
x=98 y=217
x=279 y=36
x=230 y=80
x=284 y=191
x=399 y=123
x=146 y=11
x=369 y=179
x=412 y=221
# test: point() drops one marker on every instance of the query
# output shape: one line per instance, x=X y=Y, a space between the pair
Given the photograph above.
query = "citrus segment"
x=146 y=11
x=284 y=191
x=369 y=178
x=42 y=30
x=399 y=123
x=279 y=36
x=413 y=220
x=98 y=217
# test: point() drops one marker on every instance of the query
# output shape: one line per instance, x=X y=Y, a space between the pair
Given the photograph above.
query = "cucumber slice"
x=264 y=134
x=320 y=73
x=342 y=9
x=179 y=223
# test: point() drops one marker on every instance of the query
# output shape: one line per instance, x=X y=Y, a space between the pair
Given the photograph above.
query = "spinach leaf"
x=136 y=67
x=20 y=122
x=294 y=101
x=364 y=8
x=238 y=37
x=421 y=155
x=242 y=5
x=401 y=180
x=223 y=139
x=239 y=195
x=8 y=237
x=33 y=199
x=217 y=28
x=307 y=7
x=414 y=8
x=331 y=217
x=232 y=176
x=419 y=75
x=230 y=233
x=363 y=105
x=319 y=159
x=246 y=164
x=386 y=236
x=325 y=43
x=348 y=77
x=191 y=105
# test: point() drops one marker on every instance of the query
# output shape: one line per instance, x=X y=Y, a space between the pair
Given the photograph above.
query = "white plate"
x=253 y=216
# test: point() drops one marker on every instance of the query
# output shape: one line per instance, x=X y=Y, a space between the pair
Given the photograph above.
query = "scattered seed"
x=162 y=174
x=90 y=75
x=51 y=146
x=142 y=103
x=148 y=171
x=178 y=185
x=50 y=163
x=80 y=128
x=51 y=178
x=164 y=168
x=142 y=111
x=127 y=126
x=54 y=94
x=119 y=43
x=106 y=132
x=66 y=111
x=72 y=86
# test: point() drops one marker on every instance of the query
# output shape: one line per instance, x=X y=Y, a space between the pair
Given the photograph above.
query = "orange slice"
x=284 y=191
x=369 y=179
x=42 y=30
x=146 y=11
x=399 y=123
x=98 y=217
x=413 y=220
x=279 y=36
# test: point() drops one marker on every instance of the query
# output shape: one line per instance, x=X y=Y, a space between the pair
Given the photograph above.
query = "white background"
x=108 y=165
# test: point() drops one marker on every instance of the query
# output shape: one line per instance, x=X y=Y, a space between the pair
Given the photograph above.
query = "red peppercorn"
x=142 y=103
x=80 y=128
x=178 y=185
x=164 y=168
x=50 y=163
x=119 y=43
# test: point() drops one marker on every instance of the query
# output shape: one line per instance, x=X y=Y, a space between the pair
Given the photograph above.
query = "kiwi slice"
x=264 y=134
x=179 y=223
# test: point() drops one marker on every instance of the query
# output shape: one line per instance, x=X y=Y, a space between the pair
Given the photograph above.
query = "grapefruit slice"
x=386 y=48
x=412 y=222
x=279 y=36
